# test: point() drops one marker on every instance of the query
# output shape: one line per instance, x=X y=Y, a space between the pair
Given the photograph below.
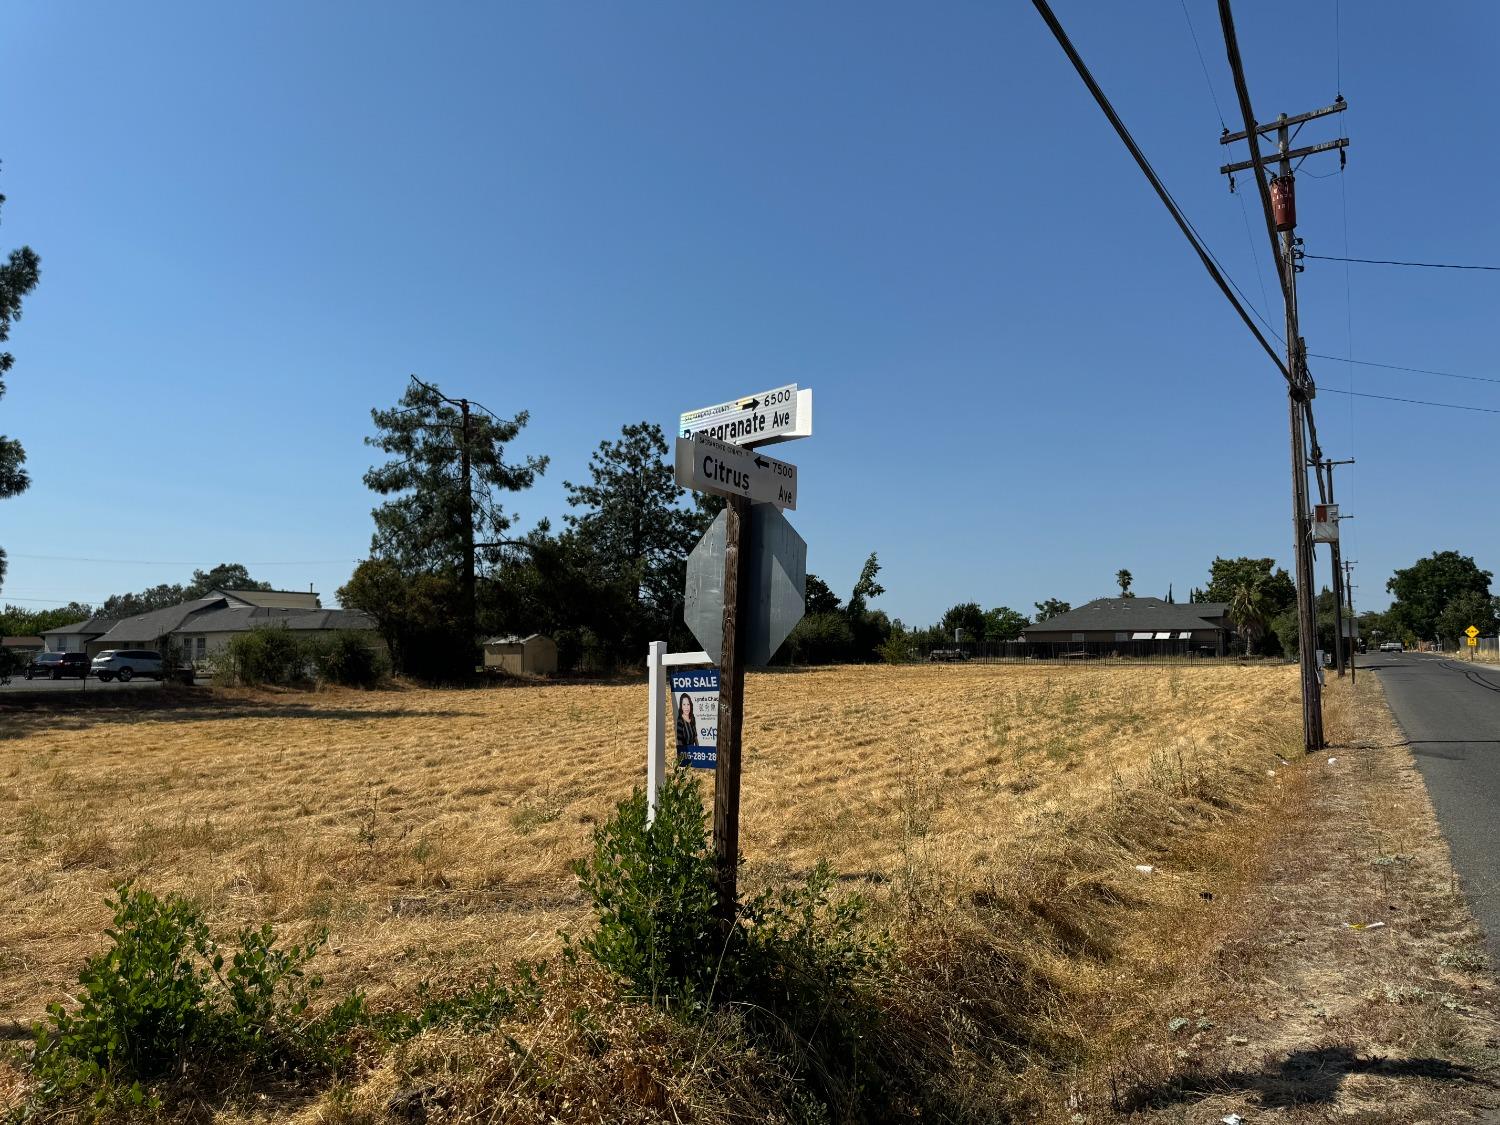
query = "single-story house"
x=204 y=626
x=535 y=655
x=1138 y=626
x=76 y=637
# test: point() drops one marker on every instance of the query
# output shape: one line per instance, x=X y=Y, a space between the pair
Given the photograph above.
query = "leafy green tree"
x=16 y=621
x=820 y=599
x=18 y=277
x=422 y=526
x=1052 y=607
x=868 y=629
x=1225 y=576
x=1124 y=578
x=1250 y=611
x=1287 y=629
x=820 y=638
x=1469 y=608
x=418 y=616
x=1004 y=624
x=966 y=616
x=225 y=576
x=632 y=521
x=1429 y=586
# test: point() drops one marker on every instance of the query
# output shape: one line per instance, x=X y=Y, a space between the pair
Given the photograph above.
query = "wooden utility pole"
x=470 y=608
x=1349 y=593
x=737 y=548
x=1278 y=202
x=1324 y=470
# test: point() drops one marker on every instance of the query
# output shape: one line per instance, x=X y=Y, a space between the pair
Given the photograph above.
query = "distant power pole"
x=1277 y=192
x=1349 y=593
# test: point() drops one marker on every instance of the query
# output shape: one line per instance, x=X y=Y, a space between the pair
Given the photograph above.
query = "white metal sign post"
x=706 y=464
x=658 y=659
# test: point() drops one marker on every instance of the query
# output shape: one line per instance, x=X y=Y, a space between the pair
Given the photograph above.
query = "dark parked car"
x=56 y=665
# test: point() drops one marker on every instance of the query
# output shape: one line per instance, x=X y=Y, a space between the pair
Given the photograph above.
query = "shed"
x=535 y=655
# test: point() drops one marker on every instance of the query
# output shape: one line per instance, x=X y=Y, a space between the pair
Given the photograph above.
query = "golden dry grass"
x=438 y=825
x=431 y=831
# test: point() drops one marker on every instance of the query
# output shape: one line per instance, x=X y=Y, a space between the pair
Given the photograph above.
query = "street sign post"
x=706 y=464
x=776 y=415
x=748 y=576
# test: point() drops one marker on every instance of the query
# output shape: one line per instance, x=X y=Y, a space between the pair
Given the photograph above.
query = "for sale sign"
x=695 y=713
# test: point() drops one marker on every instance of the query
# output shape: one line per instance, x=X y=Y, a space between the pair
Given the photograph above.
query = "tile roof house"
x=1140 y=625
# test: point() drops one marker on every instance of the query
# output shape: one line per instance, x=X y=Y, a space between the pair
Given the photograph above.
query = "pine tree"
x=18 y=277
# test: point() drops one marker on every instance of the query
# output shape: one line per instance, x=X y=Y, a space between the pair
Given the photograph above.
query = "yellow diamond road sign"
x=1471 y=631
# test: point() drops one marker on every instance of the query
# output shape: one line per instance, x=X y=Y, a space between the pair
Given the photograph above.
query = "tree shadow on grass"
x=23 y=718
x=1308 y=1077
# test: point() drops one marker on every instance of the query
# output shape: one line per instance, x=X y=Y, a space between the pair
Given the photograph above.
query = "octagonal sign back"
x=775 y=569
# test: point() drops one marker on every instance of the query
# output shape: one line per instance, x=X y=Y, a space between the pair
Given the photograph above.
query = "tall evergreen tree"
x=18 y=277
x=422 y=528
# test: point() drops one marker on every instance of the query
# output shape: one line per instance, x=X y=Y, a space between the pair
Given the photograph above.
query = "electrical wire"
x=1413 y=401
x=1206 y=79
x=1209 y=262
x=1414 y=370
x=1390 y=262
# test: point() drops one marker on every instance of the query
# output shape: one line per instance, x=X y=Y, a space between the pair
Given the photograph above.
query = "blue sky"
x=255 y=220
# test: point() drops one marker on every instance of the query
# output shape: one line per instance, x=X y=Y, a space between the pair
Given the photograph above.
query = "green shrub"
x=270 y=654
x=653 y=895
x=348 y=658
x=163 y=996
x=800 y=965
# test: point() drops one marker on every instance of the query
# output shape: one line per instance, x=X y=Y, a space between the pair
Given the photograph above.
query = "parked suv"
x=56 y=665
x=127 y=663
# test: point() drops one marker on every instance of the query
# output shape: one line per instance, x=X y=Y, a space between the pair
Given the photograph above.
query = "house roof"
x=94 y=626
x=238 y=619
x=159 y=622
x=21 y=642
x=513 y=639
x=272 y=599
x=1134 y=615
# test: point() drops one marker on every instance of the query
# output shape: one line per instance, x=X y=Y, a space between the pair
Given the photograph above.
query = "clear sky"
x=255 y=219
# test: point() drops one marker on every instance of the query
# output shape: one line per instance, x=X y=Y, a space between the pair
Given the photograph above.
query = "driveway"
x=1450 y=712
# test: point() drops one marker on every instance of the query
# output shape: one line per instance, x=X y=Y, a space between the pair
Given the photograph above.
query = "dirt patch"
x=1356 y=987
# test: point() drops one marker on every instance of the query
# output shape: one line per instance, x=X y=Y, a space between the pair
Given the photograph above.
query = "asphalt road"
x=1450 y=711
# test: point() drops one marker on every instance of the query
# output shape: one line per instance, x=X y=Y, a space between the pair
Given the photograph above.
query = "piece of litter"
x=1270 y=773
x=1232 y=1119
x=1364 y=925
x=1144 y=868
x=1332 y=760
x=1283 y=761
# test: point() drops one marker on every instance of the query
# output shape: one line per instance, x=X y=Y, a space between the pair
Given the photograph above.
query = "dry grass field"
x=431 y=832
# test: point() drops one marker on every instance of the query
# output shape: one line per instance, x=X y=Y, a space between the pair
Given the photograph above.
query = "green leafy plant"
x=348 y=658
x=653 y=895
x=165 y=995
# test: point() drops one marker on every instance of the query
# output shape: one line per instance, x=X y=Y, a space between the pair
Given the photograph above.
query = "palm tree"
x=1249 y=610
x=1124 y=578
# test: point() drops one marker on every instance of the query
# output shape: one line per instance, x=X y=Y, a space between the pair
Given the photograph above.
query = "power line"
x=1206 y=79
x=168 y=562
x=1150 y=173
x=1413 y=401
x=1390 y=262
x=1415 y=370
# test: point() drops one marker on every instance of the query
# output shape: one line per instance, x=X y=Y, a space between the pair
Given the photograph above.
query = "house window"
x=202 y=647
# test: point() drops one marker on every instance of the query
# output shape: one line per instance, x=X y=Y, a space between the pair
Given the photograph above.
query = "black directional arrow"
x=762 y=463
x=750 y=404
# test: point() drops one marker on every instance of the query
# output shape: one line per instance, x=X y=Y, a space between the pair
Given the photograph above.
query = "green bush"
x=348 y=658
x=800 y=965
x=270 y=654
x=163 y=996
x=653 y=895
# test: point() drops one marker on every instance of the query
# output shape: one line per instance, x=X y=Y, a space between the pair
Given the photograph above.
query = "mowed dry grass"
x=431 y=832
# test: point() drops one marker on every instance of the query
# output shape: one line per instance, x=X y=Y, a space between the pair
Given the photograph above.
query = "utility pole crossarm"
x=1294 y=154
x=1296 y=119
